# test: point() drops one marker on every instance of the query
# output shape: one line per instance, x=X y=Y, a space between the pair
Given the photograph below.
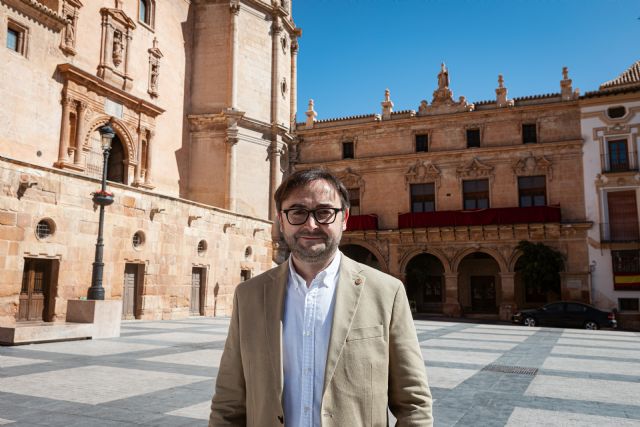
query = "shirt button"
x=307 y=333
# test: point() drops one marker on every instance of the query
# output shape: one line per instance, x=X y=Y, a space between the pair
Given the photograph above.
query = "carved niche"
x=154 y=68
x=422 y=171
x=117 y=32
x=532 y=165
x=70 y=13
x=474 y=169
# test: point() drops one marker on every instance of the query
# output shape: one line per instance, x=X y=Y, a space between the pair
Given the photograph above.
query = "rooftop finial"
x=387 y=105
x=311 y=115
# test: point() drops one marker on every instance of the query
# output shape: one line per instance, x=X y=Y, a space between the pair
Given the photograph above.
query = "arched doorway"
x=479 y=283
x=361 y=254
x=116 y=166
x=425 y=283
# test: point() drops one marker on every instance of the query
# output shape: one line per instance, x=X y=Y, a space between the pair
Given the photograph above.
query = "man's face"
x=312 y=242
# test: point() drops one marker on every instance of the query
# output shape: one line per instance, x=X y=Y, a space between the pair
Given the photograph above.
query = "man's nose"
x=311 y=222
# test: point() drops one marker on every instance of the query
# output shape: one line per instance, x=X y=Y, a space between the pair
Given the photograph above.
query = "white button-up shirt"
x=307 y=320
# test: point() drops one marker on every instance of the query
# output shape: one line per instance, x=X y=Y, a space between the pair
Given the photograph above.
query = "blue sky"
x=351 y=50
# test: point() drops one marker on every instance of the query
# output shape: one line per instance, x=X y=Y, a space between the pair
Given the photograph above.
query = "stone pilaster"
x=451 y=305
x=508 y=304
x=80 y=131
x=65 y=131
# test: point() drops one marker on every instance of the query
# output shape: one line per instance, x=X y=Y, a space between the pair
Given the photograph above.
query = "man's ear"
x=345 y=219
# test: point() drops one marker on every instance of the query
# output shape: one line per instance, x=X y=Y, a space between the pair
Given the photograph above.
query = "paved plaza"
x=162 y=374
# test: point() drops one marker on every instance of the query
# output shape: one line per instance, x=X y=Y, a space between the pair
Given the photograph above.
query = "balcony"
x=362 y=222
x=620 y=231
x=492 y=216
x=625 y=162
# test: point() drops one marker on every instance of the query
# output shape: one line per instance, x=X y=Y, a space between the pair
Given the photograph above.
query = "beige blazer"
x=374 y=358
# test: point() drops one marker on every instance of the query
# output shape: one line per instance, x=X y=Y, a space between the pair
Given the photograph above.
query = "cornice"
x=72 y=73
x=445 y=157
x=38 y=12
x=371 y=121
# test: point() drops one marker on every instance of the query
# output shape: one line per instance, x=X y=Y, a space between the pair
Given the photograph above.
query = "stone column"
x=138 y=170
x=235 y=12
x=507 y=302
x=451 y=306
x=65 y=130
x=276 y=29
x=231 y=190
x=80 y=130
x=150 y=143
x=294 y=82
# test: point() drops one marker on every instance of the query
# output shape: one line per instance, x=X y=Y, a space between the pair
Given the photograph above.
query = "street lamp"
x=102 y=198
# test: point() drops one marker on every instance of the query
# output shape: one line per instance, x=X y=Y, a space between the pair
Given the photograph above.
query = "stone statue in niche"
x=118 y=47
x=155 y=72
x=69 y=32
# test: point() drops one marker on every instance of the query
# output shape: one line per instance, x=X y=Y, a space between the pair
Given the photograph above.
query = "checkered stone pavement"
x=162 y=374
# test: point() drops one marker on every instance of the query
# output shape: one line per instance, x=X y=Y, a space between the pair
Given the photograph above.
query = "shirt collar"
x=327 y=277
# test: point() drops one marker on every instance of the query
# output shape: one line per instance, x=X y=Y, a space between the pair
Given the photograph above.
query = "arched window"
x=146 y=11
x=115 y=168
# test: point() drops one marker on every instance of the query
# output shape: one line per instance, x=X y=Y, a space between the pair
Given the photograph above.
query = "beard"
x=319 y=252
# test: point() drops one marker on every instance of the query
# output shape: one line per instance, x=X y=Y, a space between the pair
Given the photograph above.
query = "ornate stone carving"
x=117 y=32
x=443 y=98
x=501 y=94
x=311 y=115
x=422 y=171
x=474 y=169
x=154 y=68
x=350 y=179
x=532 y=165
x=387 y=105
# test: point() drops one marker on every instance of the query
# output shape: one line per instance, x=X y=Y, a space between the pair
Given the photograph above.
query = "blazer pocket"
x=364 y=333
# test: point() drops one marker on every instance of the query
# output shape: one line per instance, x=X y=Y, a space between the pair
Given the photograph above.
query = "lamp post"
x=102 y=198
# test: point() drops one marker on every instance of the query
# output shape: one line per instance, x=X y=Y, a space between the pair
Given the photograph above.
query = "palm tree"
x=540 y=266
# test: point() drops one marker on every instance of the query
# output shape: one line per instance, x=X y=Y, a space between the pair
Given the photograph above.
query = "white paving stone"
x=90 y=347
x=505 y=330
x=606 y=391
x=599 y=343
x=592 y=365
x=471 y=344
x=455 y=356
x=434 y=323
x=10 y=362
x=180 y=337
x=597 y=352
x=195 y=358
x=631 y=336
x=80 y=385
x=485 y=337
x=448 y=377
x=199 y=411
x=526 y=417
x=158 y=325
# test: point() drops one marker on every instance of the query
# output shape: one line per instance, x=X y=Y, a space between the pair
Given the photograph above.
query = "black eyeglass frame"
x=313 y=212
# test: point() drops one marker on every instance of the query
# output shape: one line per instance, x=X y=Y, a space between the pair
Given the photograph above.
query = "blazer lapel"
x=350 y=285
x=274 y=291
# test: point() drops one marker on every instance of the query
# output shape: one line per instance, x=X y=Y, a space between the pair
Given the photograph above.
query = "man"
x=320 y=340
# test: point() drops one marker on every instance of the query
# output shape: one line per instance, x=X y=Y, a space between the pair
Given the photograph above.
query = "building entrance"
x=483 y=294
x=38 y=290
x=198 y=275
x=131 y=295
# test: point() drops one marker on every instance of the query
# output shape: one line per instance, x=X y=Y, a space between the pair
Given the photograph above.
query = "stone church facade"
x=201 y=95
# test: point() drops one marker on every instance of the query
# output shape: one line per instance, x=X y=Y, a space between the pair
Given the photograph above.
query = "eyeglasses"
x=298 y=216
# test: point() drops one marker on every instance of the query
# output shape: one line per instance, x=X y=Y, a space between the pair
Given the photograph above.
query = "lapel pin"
x=358 y=281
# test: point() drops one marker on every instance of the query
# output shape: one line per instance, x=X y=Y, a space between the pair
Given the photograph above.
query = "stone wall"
x=171 y=230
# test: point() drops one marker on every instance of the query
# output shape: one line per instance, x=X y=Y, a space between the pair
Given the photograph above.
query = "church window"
x=17 y=38
x=347 y=150
x=422 y=143
x=473 y=137
x=616 y=112
x=529 y=133
x=146 y=12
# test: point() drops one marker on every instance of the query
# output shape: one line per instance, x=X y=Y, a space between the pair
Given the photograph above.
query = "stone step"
x=31 y=332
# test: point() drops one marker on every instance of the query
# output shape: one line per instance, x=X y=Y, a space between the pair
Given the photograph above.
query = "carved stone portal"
x=532 y=165
x=421 y=172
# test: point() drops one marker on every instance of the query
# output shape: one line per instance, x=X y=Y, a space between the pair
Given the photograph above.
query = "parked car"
x=567 y=315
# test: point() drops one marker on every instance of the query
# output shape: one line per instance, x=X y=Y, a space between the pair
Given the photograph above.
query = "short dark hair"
x=301 y=178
